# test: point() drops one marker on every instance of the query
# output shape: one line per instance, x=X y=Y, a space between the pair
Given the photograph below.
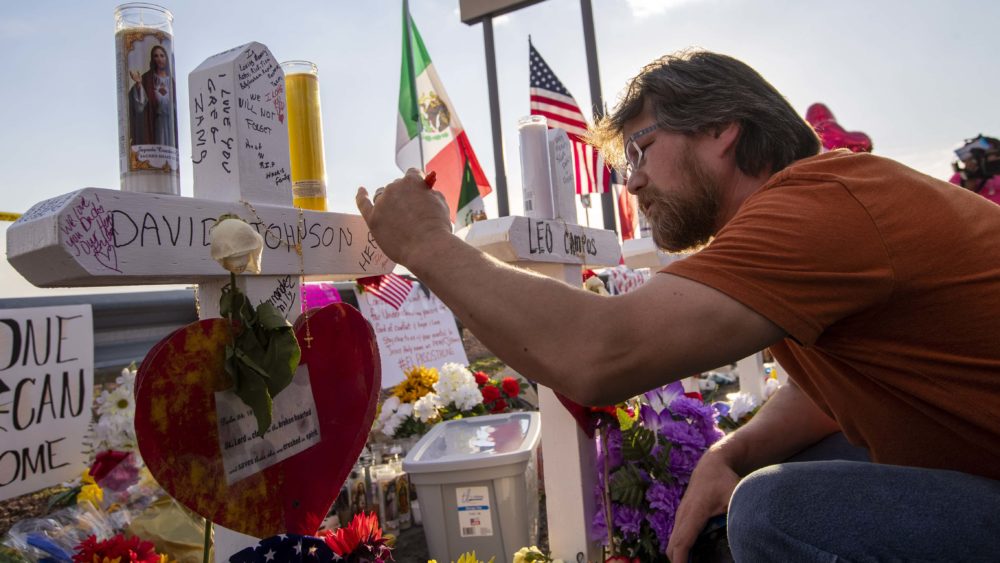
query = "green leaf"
x=264 y=354
x=628 y=487
x=270 y=318
x=65 y=498
x=637 y=443
x=253 y=392
x=624 y=420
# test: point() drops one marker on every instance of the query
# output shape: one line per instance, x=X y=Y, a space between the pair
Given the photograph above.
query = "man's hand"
x=712 y=484
x=406 y=216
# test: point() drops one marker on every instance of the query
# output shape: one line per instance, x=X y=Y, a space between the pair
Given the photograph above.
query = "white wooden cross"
x=560 y=251
x=239 y=139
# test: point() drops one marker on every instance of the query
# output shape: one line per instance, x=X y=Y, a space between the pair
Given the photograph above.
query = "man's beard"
x=684 y=219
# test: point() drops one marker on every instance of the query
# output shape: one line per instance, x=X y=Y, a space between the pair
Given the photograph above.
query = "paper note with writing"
x=474 y=511
x=239 y=130
x=563 y=176
x=46 y=395
x=421 y=333
x=294 y=428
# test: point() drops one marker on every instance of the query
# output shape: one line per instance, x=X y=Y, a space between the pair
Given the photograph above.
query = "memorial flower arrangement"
x=428 y=396
x=645 y=463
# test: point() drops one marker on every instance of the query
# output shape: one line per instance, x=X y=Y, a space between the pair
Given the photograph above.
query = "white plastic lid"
x=481 y=441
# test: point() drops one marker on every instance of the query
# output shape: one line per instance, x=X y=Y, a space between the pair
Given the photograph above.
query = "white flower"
x=770 y=387
x=236 y=245
x=466 y=399
x=426 y=407
x=457 y=385
x=391 y=424
x=404 y=410
x=389 y=406
x=743 y=404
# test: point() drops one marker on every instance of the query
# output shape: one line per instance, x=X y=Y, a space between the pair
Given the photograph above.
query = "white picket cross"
x=100 y=237
x=559 y=251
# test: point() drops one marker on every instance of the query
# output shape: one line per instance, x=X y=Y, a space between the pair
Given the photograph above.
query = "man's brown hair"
x=695 y=92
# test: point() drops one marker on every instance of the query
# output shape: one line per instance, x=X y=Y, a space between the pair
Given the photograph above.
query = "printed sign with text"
x=46 y=395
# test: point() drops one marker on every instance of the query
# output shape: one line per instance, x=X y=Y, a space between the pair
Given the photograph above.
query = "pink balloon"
x=832 y=135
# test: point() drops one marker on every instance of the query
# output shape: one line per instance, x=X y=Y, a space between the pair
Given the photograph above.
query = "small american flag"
x=287 y=548
x=551 y=99
x=394 y=289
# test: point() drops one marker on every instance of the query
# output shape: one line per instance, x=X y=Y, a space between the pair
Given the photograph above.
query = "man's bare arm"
x=593 y=349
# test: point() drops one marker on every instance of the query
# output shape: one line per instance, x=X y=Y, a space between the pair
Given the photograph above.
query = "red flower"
x=613 y=411
x=481 y=378
x=363 y=531
x=499 y=406
x=490 y=393
x=131 y=550
x=104 y=462
x=511 y=387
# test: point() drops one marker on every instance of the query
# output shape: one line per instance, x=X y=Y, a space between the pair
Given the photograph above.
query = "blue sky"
x=917 y=76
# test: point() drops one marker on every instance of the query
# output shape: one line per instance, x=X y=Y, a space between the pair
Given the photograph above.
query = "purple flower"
x=598 y=526
x=663 y=497
x=615 y=458
x=662 y=525
x=710 y=432
x=627 y=519
x=721 y=409
x=692 y=409
x=663 y=396
x=649 y=417
x=682 y=462
x=681 y=433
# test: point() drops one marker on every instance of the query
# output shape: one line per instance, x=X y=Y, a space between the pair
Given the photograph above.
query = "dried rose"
x=236 y=245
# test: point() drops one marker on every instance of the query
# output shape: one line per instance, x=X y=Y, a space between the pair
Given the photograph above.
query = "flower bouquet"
x=428 y=396
x=645 y=463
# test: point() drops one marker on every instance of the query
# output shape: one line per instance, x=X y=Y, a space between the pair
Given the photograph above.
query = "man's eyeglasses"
x=633 y=152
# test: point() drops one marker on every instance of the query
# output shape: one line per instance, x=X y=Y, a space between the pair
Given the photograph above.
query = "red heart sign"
x=177 y=424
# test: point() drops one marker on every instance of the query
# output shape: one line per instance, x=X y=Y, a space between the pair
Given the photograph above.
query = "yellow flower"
x=91 y=493
x=419 y=381
x=470 y=557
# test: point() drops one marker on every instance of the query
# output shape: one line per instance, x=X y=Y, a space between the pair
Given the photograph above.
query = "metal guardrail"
x=127 y=325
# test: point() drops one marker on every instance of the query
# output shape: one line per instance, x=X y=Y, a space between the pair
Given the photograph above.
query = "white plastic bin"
x=477 y=483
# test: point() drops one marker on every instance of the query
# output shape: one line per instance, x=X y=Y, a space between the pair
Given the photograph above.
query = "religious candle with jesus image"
x=147 y=99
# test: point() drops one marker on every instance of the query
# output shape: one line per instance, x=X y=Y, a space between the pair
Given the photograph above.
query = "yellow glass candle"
x=305 y=135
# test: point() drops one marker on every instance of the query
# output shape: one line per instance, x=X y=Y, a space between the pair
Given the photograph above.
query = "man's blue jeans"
x=830 y=503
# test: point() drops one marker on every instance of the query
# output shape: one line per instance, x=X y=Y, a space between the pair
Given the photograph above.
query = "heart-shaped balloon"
x=177 y=425
x=832 y=134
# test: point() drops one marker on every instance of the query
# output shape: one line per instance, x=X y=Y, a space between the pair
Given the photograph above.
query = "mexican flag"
x=470 y=203
x=427 y=120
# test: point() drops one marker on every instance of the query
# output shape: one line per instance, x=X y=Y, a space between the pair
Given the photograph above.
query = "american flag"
x=287 y=548
x=394 y=289
x=550 y=98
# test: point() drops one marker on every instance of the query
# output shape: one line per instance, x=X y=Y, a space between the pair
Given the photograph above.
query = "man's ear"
x=725 y=137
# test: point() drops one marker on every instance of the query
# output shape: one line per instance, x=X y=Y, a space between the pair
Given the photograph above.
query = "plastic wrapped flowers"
x=645 y=464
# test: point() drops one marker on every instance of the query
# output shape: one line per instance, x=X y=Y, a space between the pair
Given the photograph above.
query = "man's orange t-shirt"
x=887 y=282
